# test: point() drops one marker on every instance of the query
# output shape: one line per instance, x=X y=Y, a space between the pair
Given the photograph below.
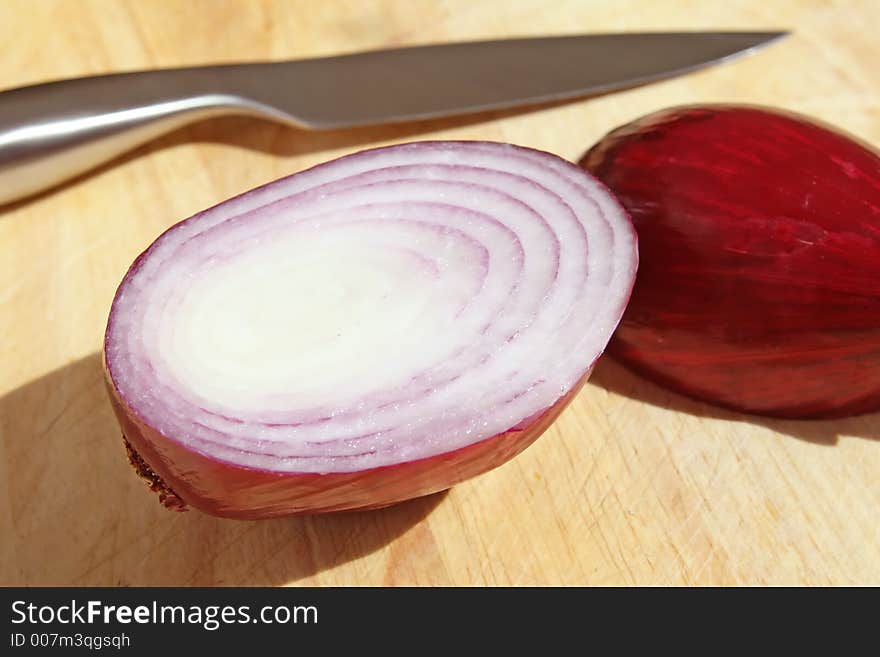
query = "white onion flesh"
x=388 y=306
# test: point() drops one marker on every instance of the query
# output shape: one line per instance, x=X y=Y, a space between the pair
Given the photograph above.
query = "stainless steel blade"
x=54 y=131
x=431 y=81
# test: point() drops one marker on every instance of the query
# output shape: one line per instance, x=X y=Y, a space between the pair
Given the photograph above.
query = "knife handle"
x=52 y=132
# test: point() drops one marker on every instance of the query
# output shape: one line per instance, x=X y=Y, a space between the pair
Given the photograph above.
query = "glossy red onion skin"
x=232 y=491
x=759 y=277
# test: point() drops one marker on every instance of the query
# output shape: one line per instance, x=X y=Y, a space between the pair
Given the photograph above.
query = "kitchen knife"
x=51 y=132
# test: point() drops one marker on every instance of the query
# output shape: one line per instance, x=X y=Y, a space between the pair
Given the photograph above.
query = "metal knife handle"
x=52 y=132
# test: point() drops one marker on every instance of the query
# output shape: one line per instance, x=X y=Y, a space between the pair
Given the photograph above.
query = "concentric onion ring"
x=373 y=329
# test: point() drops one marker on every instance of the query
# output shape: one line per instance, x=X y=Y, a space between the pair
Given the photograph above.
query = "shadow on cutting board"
x=614 y=377
x=78 y=515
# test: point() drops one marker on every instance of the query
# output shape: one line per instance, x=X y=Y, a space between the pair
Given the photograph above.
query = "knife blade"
x=51 y=132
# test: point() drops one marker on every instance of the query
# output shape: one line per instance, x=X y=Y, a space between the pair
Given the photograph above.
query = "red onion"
x=374 y=329
x=759 y=237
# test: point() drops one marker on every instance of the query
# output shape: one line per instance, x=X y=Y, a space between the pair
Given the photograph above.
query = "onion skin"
x=231 y=491
x=759 y=277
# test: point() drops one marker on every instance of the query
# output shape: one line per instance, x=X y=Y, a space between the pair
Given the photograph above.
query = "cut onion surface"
x=759 y=236
x=373 y=329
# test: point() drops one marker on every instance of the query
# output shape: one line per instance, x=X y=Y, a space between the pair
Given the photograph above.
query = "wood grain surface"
x=632 y=485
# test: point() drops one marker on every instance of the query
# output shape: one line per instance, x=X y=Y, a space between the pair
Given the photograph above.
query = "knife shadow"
x=78 y=515
x=284 y=141
x=614 y=377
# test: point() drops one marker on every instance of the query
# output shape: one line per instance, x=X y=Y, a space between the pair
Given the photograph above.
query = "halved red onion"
x=376 y=328
x=759 y=233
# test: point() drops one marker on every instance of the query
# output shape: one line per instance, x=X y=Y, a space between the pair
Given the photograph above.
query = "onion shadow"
x=615 y=377
x=75 y=514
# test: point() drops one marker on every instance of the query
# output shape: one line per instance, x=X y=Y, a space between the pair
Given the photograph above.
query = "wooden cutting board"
x=632 y=485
